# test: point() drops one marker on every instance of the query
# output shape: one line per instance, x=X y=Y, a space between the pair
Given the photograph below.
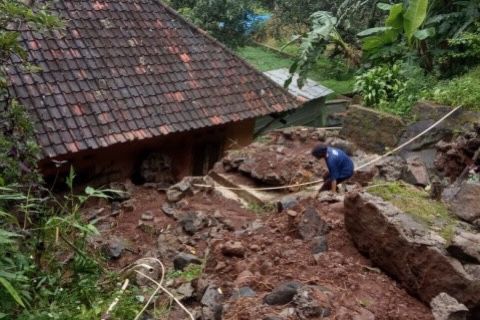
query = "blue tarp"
x=252 y=21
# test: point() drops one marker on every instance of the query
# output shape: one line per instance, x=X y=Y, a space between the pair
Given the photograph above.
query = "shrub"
x=463 y=90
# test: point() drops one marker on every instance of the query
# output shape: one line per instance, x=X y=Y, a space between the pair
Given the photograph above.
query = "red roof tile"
x=126 y=70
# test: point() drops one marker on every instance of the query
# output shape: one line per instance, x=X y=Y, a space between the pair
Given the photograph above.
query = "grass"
x=463 y=90
x=190 y=273
x=330 y=73
x=259 y=209
x=417 y=203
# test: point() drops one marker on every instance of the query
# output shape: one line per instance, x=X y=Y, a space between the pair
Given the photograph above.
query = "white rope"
x=296 y=185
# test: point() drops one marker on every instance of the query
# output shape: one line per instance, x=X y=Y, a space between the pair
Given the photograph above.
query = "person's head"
x=320 y=151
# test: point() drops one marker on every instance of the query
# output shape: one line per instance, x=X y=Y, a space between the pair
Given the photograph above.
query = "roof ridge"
x=223 y=46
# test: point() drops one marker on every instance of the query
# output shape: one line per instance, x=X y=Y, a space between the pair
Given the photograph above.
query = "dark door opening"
x=205 y=154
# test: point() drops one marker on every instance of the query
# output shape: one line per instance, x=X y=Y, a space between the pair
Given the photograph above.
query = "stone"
x=183 y=188
x=391 y=168
x=310 y=302
x=416 y=172
x=244 y=292
x=445 y=307
x=192 y=222
x=311 y=225
x=114 y=248
x=463 y=200
x=473 y=270
x=211 y=301
x=283 y=293
x=273 y=317
x=319 y=245
x=407 y=250
x=168 y=209
x=182 y=260
x=286 y=203
x=128 y=206
x=330 y=197
x=185 y=291
x=121 y=191
x=465 y=246
x=147 y=216
x=233 y=249
x=372 y=130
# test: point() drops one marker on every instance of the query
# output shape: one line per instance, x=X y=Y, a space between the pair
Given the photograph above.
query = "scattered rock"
x=182 y=260
x=319 y=245
x=183 y=188
x=407 y=250
x=311 y=225
x=465 y=246
x=330 y=197
x=391 y=168
x=168 y=209
x=212 y=304
x=463 y=200
x=310 y=302
x=445 y=307
x=192 y=222
x=122 y=191
x=185 y=291
x=148 y=227
x=147 y=216
x=282 y=294
x=233 y=249
x=128 y=206
x=244 y=292
x=286 y=203
x=416 y=172
x=114 y=248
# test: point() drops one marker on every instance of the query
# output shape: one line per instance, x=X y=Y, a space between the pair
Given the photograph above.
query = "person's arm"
x=334 y=186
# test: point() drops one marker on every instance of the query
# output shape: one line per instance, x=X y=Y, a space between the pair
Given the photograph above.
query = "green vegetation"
x=191 y=272
x=333 y=74
x=261 y=209
x=417 y=203
x=463 y=90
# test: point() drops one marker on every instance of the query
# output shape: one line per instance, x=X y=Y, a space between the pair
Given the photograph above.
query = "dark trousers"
x=327 y=185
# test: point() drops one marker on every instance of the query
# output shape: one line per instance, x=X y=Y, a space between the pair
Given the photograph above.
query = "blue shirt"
x=339 y=164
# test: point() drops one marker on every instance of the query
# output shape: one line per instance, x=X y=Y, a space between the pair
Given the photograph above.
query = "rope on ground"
x=296 y=185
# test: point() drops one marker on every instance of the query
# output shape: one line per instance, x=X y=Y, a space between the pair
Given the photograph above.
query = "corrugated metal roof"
x=311 y=89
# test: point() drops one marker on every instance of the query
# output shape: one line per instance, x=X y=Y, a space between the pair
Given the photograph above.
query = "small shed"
x=310 y=113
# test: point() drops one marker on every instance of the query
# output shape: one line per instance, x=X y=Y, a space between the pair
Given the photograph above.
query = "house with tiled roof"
x=125 y=78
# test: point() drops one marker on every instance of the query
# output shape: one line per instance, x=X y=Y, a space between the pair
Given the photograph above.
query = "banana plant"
x=402 y=21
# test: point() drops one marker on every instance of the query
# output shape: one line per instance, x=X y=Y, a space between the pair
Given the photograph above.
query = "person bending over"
x=340 y=166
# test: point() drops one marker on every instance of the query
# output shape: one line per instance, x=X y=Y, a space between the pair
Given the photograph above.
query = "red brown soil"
x=273 y=255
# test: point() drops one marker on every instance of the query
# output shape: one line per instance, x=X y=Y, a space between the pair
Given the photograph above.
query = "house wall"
x=123 y=161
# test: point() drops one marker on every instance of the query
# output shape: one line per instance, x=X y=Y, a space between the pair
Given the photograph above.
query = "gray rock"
x=168 y=209
x=183 y=188
x=309 y=302
x=473 y=270
x=286 y=203
x=122 y=191
x=272 y=317
x=212 y=304
x=147 y=216
x=185 y=291
x=192 y=222
x=465 y=246
x=311 y=225
x=391 y=168
x=182 y=260
x=445 y=307
x=282 y=294
x=416 y=173
x=114 y=248
x=398 y=244
x=244 y=292
x=319 y=245
x=463 y=200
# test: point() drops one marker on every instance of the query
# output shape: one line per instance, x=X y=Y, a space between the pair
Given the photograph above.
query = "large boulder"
x=465 y=246
x=372 y=130
x=464 y=201
x=407 y=250
x=416 y=172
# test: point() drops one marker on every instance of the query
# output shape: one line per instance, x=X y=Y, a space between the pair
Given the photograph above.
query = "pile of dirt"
x=283 y=157
x=247 y=256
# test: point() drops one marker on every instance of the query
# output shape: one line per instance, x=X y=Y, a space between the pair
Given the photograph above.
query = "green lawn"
x=331 y=74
